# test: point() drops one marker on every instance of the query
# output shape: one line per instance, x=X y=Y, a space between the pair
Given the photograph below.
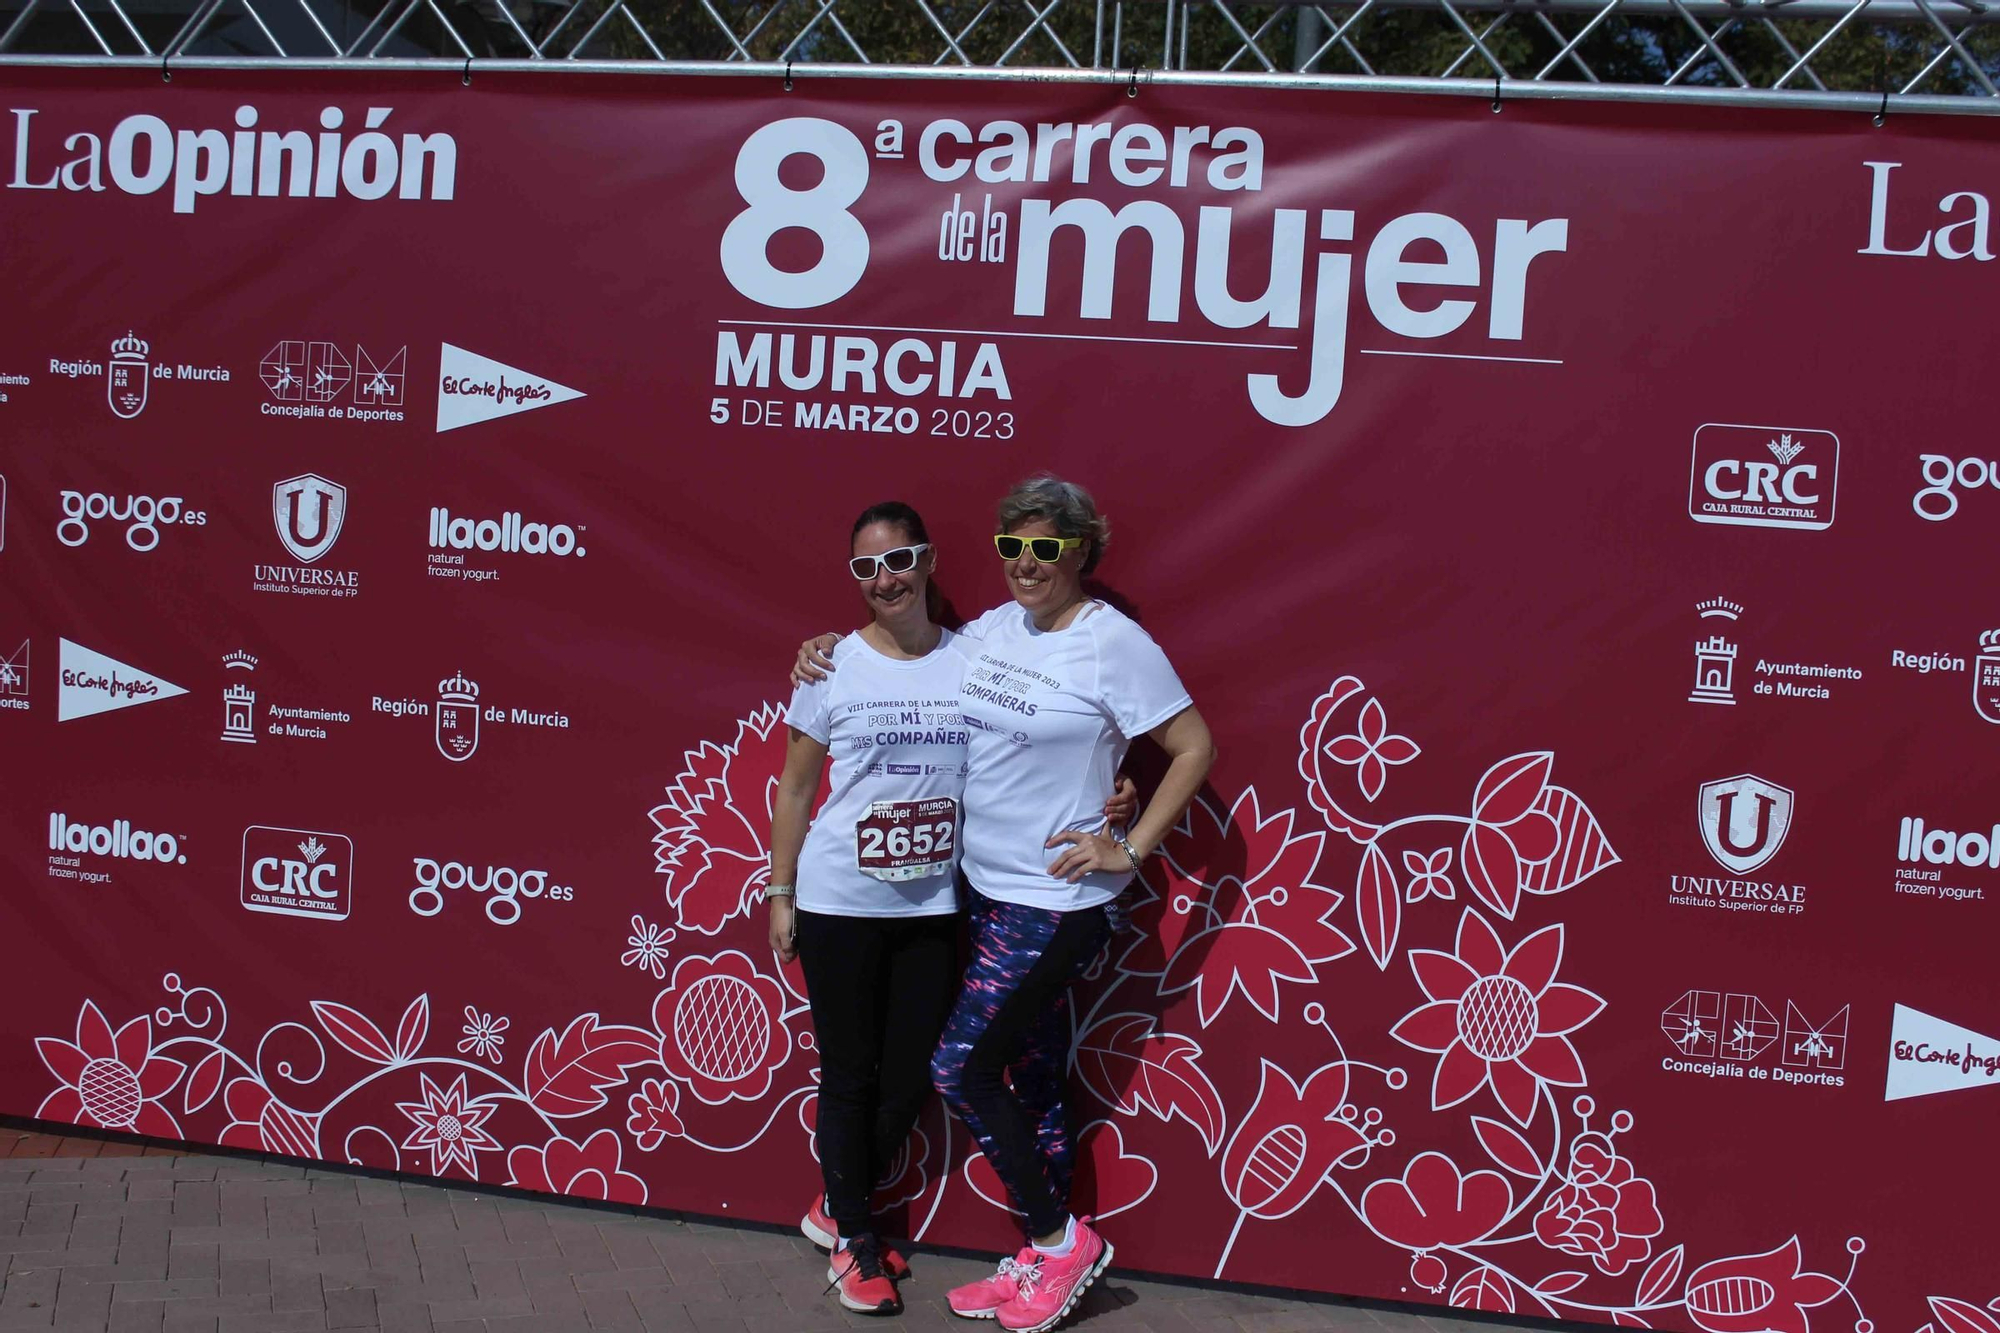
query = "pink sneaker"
x=1051 y=1288
x=819 y=1228
x=983 y=1299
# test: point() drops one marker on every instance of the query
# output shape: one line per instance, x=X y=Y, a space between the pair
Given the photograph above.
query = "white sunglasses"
x=899 y=561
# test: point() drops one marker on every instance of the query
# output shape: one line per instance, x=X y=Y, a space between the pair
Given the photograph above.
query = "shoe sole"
x=833 y=1276
x=993 y=1313
x=824 y=1239
x=1075 y=1295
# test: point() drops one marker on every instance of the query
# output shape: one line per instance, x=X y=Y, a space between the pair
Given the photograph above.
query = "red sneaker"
x=857 y=1273
x=1053 y=1286
x=818 y=1227
x=983 y=1299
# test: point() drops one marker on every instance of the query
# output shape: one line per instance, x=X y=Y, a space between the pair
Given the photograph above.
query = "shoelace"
x=1027 y=1276
x=864 y=1256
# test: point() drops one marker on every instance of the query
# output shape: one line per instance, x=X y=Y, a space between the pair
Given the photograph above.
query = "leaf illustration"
x=1490 y=868
x=354 y=1031
x=1505 y=1145
x=416 y=1025
x=1625 y=1320
x=567 y=1075
x=1555 y=1284
x=1239 y=957
x=1378 y=905
x=1956 y=1316
x=1483 y=1289
x=204 y=1082
x=1581 y=847
x=1661 y=1278
x=1511 y=787
x=1123 y=1061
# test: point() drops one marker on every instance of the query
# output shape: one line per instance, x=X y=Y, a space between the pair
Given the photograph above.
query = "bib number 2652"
x=900 y=840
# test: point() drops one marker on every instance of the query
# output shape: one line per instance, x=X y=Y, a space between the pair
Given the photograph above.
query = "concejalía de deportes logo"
x=1492 y=258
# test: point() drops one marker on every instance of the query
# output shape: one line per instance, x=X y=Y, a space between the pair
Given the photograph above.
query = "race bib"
x=901 y=840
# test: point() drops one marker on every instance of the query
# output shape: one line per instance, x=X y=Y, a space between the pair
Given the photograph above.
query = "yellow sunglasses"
x=1047 y=550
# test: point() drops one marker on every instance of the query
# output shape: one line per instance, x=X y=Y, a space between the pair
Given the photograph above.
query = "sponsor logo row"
x=1714 y=1034
x=1779 y=477
x=1777 y=672
x=90 y=683
x=1743 y=822
x=1735 y=1035
x=1739 y=475
x=298 y=872
x=308 y=514
x=316 y=379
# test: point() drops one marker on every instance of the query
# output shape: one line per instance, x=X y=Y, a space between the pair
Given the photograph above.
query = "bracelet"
x=1130 y=855
x=780 y=891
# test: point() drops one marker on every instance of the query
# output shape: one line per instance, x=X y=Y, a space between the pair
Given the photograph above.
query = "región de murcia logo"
x=129 y=375
x=457 y=716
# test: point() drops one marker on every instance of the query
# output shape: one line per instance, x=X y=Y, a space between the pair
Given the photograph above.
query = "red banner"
x=1575 y=522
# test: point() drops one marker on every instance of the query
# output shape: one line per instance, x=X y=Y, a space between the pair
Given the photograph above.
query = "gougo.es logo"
x=142 y=515
x=1938 y=500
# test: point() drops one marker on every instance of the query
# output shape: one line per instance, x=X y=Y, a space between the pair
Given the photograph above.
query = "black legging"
x=880 y=988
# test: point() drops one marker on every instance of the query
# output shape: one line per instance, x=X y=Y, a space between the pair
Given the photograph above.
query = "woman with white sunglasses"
x=867 y=896
x=1057 y=685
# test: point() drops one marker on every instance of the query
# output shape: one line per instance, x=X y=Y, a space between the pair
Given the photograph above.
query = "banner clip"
x=465 y=78
x=1882 y=112
x=788 y=76
x=1132 y=87
x=166 y=75
x=1496 y=94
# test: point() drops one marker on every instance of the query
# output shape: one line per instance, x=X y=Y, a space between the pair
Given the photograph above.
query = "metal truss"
x=1878 y=55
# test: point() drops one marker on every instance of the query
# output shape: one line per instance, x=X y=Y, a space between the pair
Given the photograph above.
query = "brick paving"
x=121 y=1237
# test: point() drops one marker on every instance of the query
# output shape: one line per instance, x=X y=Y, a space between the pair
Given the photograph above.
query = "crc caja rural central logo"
x=298 y=872
x=1763 y=476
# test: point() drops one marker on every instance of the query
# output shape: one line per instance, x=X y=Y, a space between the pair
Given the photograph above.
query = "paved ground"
x=116 y=1238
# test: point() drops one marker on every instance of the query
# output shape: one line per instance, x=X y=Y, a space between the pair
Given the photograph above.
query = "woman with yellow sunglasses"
x=1057 y=685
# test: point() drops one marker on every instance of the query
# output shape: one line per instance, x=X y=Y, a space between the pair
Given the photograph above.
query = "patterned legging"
x=1011 y=1024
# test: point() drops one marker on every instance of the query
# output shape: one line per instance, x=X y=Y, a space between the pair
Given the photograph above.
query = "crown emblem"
x=239 y=661
x=1989 y=640
x=1784 y=450
x=130 y=348
x=458 y=690
x=1719 y=606
x=312 y=849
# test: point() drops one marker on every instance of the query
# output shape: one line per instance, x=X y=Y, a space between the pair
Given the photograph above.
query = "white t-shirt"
x=1050 y=715
x=886 y=842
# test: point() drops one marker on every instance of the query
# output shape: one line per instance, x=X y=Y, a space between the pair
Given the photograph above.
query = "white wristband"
x=780 y=891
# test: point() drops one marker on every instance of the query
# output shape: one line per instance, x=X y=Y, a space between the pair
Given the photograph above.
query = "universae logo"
x=1744 y=821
